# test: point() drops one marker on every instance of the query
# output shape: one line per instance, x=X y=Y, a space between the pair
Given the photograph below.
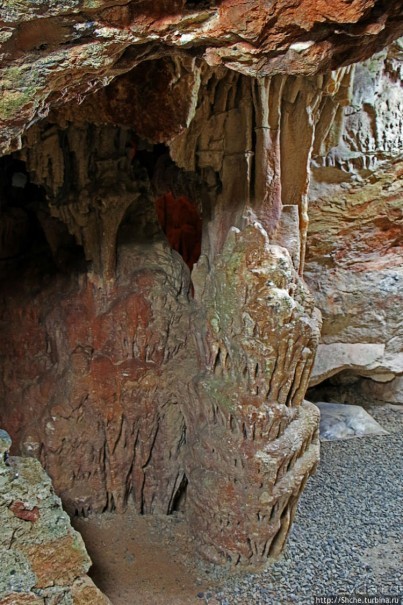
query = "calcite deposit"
x=125 y=353
x=157 y=335
x=252 y=441
x=43 y=560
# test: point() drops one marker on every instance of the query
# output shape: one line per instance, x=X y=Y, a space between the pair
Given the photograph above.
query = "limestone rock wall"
x=252 y=139
x=119 y=376
x=43 y=560
x=354 y=254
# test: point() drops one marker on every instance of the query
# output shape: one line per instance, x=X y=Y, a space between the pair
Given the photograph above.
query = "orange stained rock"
x=181 y=223
x=19 y=509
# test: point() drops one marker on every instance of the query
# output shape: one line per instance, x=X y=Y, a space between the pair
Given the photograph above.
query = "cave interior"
x=158 y=336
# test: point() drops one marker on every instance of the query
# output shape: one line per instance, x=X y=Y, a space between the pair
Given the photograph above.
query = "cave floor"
x=346 y=539
x=144 y=560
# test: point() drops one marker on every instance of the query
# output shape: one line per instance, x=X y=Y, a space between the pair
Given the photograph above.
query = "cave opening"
x=172 y=203
x=179 y=502
x=182 y=225
x=355 y=405
x=179 y=198
x=339 y=388
x=19 y=200
x=30 y=238
x=349 y=387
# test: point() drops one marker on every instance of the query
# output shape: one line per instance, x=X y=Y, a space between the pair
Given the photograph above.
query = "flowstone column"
x=252 y=441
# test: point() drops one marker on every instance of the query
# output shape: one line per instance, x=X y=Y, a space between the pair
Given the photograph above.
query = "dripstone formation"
x=157 y=335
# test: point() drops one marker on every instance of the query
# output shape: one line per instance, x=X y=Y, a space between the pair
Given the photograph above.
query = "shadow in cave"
x=173 y=204
x=340 y=388
x=180 y=201
x=31 y=240
x=170 y=202
x=182 y=225
x=19 y=226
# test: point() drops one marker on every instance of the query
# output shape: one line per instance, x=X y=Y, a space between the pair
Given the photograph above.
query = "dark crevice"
x=28 y=233
x=179 y=501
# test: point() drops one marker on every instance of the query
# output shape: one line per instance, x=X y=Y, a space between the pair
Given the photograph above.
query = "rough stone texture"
x=52 y=53
x=256 y=136
x=97 y=401
x=120 y=396
x=127 y=375
x=355 y=241
x=252 y=441
x=43 y=560
x=115 y=369
x=361 y=358
x=390 y=390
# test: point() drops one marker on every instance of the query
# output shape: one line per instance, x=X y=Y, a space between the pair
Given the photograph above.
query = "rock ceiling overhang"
x=52 y=53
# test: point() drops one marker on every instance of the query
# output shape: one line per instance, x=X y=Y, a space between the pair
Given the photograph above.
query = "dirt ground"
x=144 y=560
x=354 y=501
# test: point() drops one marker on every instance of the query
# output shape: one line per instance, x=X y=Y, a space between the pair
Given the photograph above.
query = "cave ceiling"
x=52 y=53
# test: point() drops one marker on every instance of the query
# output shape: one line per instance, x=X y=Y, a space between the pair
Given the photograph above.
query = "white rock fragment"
x=342 y=421
x=299 y=47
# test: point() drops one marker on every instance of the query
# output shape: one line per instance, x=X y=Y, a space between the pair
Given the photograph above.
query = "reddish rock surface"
x=122 y=384
x=22 y=512
x=84 y=372
x=181 y=223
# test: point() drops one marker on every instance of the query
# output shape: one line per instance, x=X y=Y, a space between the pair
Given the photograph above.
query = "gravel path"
x=347 y=537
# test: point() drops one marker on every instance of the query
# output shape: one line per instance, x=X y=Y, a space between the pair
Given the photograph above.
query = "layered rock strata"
x=43 y=560
x=355 y=241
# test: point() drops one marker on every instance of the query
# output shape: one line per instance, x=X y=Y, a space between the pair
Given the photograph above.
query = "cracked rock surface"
x=43 y=560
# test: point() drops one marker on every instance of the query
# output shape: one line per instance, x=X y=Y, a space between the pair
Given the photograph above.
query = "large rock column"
x=252 y=441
